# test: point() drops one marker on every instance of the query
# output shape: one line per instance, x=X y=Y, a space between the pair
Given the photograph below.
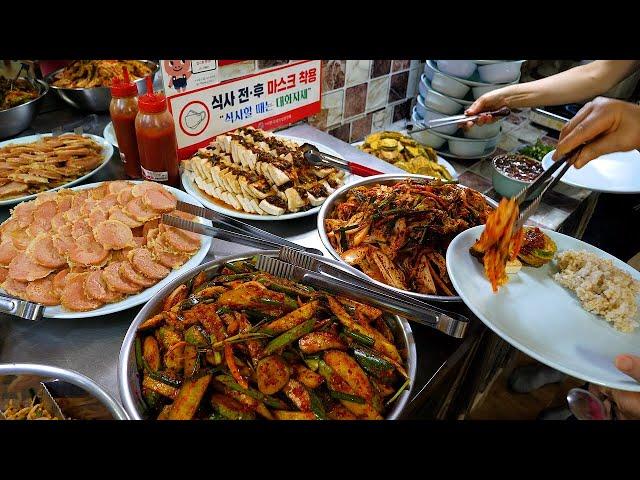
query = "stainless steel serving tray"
x=340 y=194
x=128 y=375
x=37 y=373
x=94 y=99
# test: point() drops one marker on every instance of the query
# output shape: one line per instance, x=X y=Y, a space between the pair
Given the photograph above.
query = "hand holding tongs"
x=455 y=119
x=230 y=229
x=321 y=159
x=546 y=177
x=319 y=274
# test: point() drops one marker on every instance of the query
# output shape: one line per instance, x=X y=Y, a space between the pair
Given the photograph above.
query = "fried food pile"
x=256 y=172
x=85 y=248
x=405 y=153
x=14 y=93
x=398 y=234
x=29 y=168
x=98 y=73
x=235 y=343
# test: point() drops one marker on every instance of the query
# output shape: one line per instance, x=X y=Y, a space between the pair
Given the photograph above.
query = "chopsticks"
x=233 y=230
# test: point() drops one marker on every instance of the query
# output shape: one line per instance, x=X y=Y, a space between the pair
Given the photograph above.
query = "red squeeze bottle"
x=123 y=109
x=157 y=142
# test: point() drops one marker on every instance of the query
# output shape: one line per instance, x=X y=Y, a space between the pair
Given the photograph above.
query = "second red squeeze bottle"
x=157 y=143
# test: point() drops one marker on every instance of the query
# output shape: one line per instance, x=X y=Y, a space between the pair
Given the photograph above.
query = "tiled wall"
x=358 y=96
x=364 y=96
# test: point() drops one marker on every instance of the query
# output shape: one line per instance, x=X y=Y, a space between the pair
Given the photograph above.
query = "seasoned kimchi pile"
x=398 y=234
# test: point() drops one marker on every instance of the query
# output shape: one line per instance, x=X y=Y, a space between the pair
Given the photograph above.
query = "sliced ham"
x=42 y=291
x=124 y=196
x=160 y=200
x=87 y=206
x=128 y=273
x=88 y=252
x=58 y=221
x=36 y=229
x=108 y=202
x=151 y=224
x=23 y=269
x=137 y=209
x=178 y=240
x=64 y=202
x=21 y=239
x=59 y=280
x=143 y=263
x=96 y=216
x=115 y=282
x=23 y=213
x=100 y=192
x=113 y=235
x=116 y=213
x=7 y=252
x=73 y=295
x=42 y=251
x=139 y=189
x=44 y=212
x=96 y=288
x=185 y=215
x=63 y=244
x=116 y=186
x=170 y=260
x=80 y=228
x=15 y=288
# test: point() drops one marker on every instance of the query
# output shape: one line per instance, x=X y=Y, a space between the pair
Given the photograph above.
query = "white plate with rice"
x=543 y=319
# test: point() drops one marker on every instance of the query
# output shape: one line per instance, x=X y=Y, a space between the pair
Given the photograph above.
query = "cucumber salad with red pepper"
x=240 y=344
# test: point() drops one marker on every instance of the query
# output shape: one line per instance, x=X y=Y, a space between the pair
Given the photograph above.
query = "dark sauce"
x=519 y=167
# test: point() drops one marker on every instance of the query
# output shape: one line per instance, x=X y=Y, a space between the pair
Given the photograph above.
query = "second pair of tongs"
x=545 y=179
x=321 y=159
x=297 y=266
x=230 y=229
x=21 y=308
x=455 y=120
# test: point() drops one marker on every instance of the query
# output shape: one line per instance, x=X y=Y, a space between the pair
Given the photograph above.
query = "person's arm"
x=573 y=85
x=602 y=126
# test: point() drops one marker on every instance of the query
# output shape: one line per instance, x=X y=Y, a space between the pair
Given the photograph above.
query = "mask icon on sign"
x=193 y=119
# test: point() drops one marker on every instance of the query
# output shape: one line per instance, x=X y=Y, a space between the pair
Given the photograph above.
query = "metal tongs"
x=319 y=274
x=321 y=159
x=455 y=120
x=550 y=180
x=230 y=229
x=21 y=308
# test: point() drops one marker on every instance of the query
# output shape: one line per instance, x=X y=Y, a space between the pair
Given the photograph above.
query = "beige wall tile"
x=333 y=102
x=377 y=93
x=357 y=71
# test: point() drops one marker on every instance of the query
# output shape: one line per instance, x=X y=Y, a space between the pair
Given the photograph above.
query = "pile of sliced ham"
x=84 y=248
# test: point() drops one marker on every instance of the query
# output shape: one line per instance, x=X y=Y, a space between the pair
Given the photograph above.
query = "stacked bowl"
x=448 y=87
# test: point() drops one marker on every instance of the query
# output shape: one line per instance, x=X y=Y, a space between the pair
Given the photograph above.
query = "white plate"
x=543 y=319
x=441 y=161
x=473 y=80
x=191 y=188
x=617 y=172
x=134 y=300
x=109 y=134
x=107 y=154
x=486 y=153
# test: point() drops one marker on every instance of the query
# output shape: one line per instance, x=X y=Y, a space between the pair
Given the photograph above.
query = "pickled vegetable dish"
x=235 y=343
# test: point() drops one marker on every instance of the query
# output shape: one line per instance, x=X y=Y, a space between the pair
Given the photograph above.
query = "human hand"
x=490 y=101
x=603 y=126
x=627 y=404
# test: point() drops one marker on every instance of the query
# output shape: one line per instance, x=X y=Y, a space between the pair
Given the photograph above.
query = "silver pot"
x=96 y=99
x=75 y=378
x=129 y=378
x=16 y=119
x=340 y=194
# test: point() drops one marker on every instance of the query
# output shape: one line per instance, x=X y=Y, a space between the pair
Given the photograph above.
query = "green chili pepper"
x=290 y=302
x=346 y=396
x=316 y=406
x=269 y=301
x=228 y=381
x=360 y=337
x=289 y=336
x=164 y=379
x=223 y=310
x=139 y=357
x=233 y=268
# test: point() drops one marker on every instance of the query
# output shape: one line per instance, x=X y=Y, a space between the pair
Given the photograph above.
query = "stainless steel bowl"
x=340 y=194
x=94 y=99
x=16 y=119
x=75 y=378
x=128 y=375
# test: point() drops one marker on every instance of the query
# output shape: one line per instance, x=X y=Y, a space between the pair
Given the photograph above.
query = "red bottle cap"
x=151 y=102
x=123 y=88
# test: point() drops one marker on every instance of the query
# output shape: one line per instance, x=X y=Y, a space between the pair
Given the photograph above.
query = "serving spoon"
x=586 y=406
